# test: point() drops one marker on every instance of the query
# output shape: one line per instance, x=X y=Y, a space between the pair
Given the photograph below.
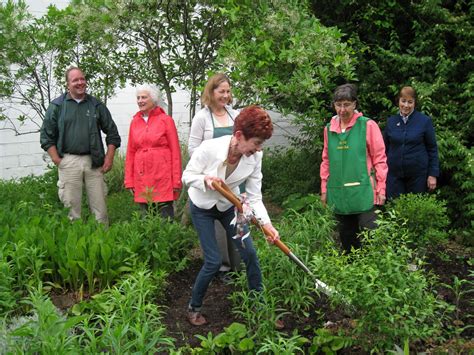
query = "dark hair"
x=345 y=92
x=254 y=121
x=207 y=97
x=406 y=91
x=70 y=69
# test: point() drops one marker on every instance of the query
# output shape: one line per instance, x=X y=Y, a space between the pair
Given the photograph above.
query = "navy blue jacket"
x=411 y=148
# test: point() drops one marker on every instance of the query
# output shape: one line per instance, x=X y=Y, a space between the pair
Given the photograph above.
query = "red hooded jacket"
x=153 y=161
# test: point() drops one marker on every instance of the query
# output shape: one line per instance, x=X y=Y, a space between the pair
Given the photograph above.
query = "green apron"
x=349 y=190
x=222 y=131
x=225 y=131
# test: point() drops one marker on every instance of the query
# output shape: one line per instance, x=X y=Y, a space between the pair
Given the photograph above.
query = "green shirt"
x=76 y=128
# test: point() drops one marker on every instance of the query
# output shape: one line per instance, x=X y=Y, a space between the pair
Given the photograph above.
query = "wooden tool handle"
x=228 y=194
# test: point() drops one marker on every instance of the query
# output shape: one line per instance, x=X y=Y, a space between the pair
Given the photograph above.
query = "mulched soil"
x=218 y=308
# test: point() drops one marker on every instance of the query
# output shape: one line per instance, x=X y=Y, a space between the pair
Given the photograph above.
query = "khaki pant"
x=74 y=170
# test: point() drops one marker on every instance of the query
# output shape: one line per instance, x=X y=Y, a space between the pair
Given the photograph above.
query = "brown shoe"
x=279 y=324
x=196 y=318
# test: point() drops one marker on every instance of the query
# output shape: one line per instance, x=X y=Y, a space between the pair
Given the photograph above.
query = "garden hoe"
x=228 y=194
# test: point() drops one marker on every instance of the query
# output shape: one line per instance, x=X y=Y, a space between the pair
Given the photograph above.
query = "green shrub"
x=290 y=171
x=425 y=218
x=42 y=190
x=391 y=303
x=121 y=207
x=158 y=243
x=457 y=183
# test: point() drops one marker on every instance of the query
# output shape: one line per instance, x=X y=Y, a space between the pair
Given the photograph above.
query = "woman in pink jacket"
x=354 y=167
x=153 y=161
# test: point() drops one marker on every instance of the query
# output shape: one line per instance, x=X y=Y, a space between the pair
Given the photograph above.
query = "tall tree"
x=35 y=54
x=280 y=56
x=166 y=42
x=27 y=80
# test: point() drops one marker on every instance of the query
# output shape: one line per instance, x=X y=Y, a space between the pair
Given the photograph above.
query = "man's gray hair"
x=154 y=92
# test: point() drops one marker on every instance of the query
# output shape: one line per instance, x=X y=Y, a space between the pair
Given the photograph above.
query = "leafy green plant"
x=280 y=183
x=258 y=309
x=115 y=177
x=46 y=331
x=125 y=318
x=235 y=339
x=391 y=302
x=283 y=345
x=7 y=281
x=327 y=342
x=425 y=218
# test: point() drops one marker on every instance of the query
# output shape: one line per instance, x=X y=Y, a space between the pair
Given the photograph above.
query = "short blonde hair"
x=207 y=97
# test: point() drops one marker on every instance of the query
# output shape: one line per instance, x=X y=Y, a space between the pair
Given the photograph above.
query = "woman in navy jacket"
x=412 y=152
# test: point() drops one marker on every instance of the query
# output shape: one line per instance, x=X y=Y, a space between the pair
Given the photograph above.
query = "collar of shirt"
x=336 y=125
x=405 y=118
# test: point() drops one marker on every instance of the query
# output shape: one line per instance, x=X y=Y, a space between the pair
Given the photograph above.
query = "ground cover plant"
x=76 y=285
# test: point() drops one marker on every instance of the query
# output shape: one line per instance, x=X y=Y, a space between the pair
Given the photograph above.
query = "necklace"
x=221 y=114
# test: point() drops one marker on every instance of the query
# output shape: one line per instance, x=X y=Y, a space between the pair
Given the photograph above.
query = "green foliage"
x=45 y=331
x=121 y=207
x=125 y=318
x=115 y=177
x=392 y=302
x=290 y=171
x=43 y=245
x=424 y=216
x=283 y=58
x=7 y=293
x=235 y=339
x=457 y=184
x=327 y=342
x=287 y=287
x=157 y=242
x=283 y=345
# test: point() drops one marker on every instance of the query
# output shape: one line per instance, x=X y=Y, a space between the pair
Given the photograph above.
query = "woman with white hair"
x=153 y=161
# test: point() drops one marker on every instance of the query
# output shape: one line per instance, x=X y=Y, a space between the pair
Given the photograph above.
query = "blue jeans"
x=203 y=221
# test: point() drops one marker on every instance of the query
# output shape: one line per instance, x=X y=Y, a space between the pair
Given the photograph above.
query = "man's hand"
x=109 y=159
x=108 y=163
x=53 y=153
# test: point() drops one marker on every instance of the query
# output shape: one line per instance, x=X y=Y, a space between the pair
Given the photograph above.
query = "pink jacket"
x=376 y=158
x=153 y=161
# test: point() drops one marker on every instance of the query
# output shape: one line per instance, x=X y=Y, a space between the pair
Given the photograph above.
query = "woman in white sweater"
x=216 y=119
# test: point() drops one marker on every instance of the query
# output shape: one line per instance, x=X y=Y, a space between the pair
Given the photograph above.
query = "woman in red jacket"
x=153 y=161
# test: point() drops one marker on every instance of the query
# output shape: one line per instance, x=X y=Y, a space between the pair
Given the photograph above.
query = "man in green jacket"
x=71 y=135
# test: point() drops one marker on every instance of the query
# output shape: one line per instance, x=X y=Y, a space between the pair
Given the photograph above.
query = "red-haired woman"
x=234 y=160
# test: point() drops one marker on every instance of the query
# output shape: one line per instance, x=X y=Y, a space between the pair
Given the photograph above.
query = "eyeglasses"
x=345 y=105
